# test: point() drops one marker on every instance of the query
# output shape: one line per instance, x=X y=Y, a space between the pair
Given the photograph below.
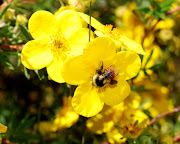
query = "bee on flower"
x=56 y=38
x=101 y=74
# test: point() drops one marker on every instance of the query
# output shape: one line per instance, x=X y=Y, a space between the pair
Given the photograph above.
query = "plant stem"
x=84 y=129
x=90 y=21
x=164 y=114
x=173 y=11
x=12 y=47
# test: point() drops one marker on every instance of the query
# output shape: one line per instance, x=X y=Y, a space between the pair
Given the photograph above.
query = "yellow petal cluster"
x=115 y=34
x=156 y=97
x=89 y=97
x=125 y=120
x=56 y=37
x=66 y=116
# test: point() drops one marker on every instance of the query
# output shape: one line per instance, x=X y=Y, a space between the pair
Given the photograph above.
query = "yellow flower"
x=157 y=97
x=44 y=127
x=121 y=121
x=113 y=33
x=104 y=121
x=114 y=137
x=132 y=130
x=154 y=60
x=66 y=117
x=56 y=38
x=133 y=100
x=101 y=74
x=3 y=128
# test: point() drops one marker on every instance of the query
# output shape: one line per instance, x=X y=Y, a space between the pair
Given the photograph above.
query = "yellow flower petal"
x=42 y=23
x=132 y=45
x=68 y=22
x=98 y=50
x=36 y=54
x=114 y=136
x=44 y=127
x=79 y=40
x=115 y=94
x=168 y=23
x=99 y=33
x=86 y=100
x=102 y=122
x=66 y=117
x=94 y=23
x=54 y=69
x=63 y=8
x=75 y=71
x=129 y=64
x=3 y=128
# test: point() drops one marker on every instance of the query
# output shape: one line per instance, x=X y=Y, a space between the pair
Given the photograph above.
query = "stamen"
x=113 y=32
x=58 y=44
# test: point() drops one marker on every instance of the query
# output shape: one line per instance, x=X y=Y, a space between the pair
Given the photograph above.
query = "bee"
x=106 y=76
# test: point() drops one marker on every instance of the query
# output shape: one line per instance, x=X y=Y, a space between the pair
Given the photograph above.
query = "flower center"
x=101 y=78
x=112 y=32
x=58 y=44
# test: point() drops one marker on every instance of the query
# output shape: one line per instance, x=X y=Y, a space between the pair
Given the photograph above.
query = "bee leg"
x=99 y=71
x=112 y=82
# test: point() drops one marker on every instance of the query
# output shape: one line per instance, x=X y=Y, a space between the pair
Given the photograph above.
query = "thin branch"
x=173 y=11
x=164 y=114
x=177 y=139
x=12 y=47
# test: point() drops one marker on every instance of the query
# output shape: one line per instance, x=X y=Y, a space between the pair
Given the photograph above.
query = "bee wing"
x=99 y=70
x=117 y=71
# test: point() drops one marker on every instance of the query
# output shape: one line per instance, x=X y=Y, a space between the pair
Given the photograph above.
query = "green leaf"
x=25 y=33
x=155 y=67
x=26 y=136
x=162 y=15
x=145 y=72
x=40 y=74
x=143 y=8
x=148 y=58
x=4 y=59
x=25 y=124
x=140 y=88
x=166 y=3
x=27 y=75
x=4 y=10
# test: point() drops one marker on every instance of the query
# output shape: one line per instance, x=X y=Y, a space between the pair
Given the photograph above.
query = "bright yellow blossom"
x=55 y=39
x=3 y=128
x=66 y=116
x=114 y=137
x=106 y=119
x=115 y=34
x=119 y=122
x=157 y=97
x=101 y=74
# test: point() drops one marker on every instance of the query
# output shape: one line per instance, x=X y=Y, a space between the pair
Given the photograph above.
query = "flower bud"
x=21 y=19
x=9 y=14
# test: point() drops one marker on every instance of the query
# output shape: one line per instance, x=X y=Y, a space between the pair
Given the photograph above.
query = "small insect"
x=106 y=76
